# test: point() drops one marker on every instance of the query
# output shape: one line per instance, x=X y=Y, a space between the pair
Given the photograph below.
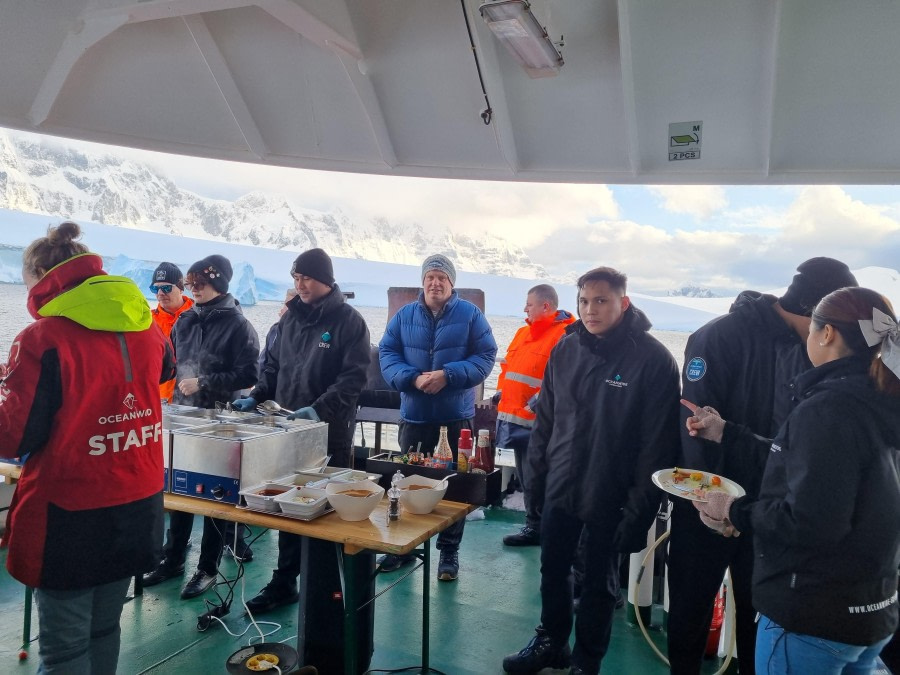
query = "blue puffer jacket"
x=458 y=339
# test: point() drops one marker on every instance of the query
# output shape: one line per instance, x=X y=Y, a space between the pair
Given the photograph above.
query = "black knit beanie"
x=168 y=273
x=314 y=263
x=214 y=269
x=815 y=278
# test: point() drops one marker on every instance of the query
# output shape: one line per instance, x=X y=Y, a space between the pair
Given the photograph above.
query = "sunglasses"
x=198 y=285
x=165 y=288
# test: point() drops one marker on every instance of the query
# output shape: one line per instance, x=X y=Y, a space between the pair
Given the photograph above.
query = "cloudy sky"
x=723 y=237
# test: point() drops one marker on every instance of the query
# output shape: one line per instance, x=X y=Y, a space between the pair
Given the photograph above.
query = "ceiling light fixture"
x=513 y=23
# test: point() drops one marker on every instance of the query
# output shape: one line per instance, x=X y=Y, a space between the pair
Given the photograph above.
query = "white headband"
x=882 y=329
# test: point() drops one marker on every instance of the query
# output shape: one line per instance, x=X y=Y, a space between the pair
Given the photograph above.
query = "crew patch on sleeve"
x=695 y=369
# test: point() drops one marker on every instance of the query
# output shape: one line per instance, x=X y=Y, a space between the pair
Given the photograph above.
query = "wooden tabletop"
x=373 y=534
x=11 y=471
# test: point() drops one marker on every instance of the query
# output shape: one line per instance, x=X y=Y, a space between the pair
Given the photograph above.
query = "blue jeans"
x=79 y=630
x=779 y=652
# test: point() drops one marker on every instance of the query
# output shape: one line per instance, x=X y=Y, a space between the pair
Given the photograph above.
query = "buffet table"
x=412 y=533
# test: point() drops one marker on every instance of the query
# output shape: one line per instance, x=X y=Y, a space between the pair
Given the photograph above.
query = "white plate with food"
x=694 y=484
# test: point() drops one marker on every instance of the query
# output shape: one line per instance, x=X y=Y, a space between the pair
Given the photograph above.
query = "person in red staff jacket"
x=80 y=401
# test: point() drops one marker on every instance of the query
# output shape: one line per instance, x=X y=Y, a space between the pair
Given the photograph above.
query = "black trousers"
x=698 y=558
x=216 y=533
x=410 y=435
x=560 y=536
x=533 y=503
x=288 y=569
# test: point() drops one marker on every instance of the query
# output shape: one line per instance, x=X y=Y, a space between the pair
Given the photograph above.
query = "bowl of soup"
x=419 y=494
x=262 y=497
x=354 y=501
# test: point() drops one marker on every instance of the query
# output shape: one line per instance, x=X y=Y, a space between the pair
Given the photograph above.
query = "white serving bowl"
x=421 y=500
x=354 y=508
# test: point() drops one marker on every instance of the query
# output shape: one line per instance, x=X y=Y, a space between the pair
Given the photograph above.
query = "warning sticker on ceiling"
x=684 y=140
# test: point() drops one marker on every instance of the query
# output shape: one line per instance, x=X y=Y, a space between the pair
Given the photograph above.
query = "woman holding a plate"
x=826 y=524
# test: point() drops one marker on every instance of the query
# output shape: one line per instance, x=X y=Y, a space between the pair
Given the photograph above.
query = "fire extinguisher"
x=715 y=627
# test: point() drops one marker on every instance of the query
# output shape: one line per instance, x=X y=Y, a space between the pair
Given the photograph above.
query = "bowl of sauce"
x=354 y=501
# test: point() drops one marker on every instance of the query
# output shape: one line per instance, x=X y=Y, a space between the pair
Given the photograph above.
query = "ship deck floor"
x=490 y=611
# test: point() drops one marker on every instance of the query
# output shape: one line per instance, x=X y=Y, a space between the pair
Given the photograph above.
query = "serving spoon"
x=272 y=408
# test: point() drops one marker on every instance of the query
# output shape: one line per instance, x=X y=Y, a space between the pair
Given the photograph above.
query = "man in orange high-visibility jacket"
x=518 y=386
x=167 y=284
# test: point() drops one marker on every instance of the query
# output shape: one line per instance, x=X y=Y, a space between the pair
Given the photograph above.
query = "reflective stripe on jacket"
x=523 y=368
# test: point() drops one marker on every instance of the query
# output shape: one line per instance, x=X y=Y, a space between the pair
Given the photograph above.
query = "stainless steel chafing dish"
x=170 y=423
x=218 y=459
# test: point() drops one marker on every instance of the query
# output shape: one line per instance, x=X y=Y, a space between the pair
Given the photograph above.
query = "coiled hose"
x=729 y=647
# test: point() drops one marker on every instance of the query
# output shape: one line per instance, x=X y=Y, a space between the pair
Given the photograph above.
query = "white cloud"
x=760 y=252
x=827 y=218
x=700 y=201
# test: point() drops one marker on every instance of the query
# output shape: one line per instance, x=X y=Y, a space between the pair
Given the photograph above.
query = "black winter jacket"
x=826 y=525
x=215 y=342
x=319 y=359
x=742 y=364
x=606 y=420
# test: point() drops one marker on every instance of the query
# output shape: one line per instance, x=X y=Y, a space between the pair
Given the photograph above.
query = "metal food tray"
x=323 y=471
x=232 y=431
x=282 y=514
x=274 y=421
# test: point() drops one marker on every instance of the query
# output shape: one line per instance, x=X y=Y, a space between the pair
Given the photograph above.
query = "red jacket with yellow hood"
x=81 y=401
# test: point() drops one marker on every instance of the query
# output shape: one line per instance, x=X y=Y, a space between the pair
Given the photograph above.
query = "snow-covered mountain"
x=693 y=292
x=41 y=177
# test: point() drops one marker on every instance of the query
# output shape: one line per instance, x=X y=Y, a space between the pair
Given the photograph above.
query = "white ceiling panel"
x=783 y=91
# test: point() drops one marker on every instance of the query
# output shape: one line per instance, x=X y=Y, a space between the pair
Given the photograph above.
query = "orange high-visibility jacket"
x=165 y=321
x=523 y=368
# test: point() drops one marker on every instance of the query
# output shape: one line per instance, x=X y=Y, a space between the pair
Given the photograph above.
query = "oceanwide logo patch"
x=695 y=369
x=617 y=382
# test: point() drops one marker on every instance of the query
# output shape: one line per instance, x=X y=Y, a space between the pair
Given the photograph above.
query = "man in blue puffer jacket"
x=434 y=352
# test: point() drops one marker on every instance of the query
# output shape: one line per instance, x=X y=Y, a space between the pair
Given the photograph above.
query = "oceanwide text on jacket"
x=82 y=402
x=607 y=418
x=458 y=341
x=319 y=359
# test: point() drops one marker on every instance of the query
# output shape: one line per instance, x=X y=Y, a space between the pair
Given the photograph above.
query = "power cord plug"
x=205 y=619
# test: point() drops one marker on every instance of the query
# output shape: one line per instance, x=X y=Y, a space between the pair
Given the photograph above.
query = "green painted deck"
x=490 y=611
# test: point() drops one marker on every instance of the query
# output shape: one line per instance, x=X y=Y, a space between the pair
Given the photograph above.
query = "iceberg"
x=242 y=286
x=10 y=264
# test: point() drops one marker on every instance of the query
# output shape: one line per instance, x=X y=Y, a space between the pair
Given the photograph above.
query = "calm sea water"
x=14 y=317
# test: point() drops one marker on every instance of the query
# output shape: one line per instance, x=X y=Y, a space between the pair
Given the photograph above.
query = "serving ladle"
x=272 y=408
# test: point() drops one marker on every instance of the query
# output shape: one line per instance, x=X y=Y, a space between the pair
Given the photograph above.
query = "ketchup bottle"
x=484 y=455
